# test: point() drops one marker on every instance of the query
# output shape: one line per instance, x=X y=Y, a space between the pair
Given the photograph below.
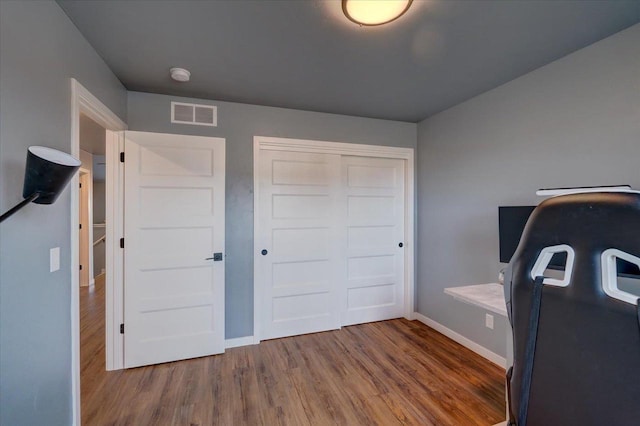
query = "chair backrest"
x=587 y=359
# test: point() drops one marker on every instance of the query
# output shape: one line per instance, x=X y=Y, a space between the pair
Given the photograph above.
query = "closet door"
x=373 y=207
x=297 y=255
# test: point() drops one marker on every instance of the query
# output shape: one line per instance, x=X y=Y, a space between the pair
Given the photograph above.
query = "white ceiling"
x=305 y=54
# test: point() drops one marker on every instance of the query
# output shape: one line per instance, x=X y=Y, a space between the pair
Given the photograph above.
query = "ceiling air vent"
x=200 y=115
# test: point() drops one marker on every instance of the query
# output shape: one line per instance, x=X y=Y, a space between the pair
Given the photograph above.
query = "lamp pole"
x=20 y=205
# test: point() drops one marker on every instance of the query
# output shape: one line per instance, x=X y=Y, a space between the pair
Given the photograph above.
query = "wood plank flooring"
x=395 y=372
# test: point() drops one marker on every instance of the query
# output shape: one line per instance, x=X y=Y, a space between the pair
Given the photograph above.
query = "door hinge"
x=79 y=226
x=81 y=185
x=121 y=242
x=122 y=157
x=81 y=267
x=121 y=328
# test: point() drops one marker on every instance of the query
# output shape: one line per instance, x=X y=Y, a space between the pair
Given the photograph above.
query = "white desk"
x=487 y=296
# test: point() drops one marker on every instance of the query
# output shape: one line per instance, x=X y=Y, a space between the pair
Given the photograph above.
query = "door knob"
x=264 y=252
x=400 y=245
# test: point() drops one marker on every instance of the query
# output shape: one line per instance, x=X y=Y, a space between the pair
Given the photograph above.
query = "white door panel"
x=174 y=220
x=297 y=197
x=373 y=196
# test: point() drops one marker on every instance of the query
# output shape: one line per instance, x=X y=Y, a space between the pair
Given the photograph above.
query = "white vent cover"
x=199 y=115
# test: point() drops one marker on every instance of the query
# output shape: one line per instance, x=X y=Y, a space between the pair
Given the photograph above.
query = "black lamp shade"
x=47 y=173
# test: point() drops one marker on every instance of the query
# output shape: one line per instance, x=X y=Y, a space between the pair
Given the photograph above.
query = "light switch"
x=54 y=259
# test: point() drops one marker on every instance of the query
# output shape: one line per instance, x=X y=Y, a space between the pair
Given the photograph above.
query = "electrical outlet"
x=54 y=259
x=488 y=321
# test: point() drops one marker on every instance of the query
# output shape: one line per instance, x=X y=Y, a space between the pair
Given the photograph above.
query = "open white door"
x=174 y=228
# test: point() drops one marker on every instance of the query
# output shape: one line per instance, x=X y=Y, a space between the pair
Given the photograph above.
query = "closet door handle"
x=400 y=245
x=264 y=252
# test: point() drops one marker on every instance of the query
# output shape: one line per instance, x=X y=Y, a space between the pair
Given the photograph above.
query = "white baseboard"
x=459 y=338
x=238 y=341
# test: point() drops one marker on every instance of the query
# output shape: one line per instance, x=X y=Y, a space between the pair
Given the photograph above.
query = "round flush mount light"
x=374 y=12
x=180 y=74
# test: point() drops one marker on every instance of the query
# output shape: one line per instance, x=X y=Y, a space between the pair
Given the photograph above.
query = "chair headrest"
x=588 y=222
x=594 y=229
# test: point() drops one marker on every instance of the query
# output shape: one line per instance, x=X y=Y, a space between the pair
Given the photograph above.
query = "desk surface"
x=487 y=296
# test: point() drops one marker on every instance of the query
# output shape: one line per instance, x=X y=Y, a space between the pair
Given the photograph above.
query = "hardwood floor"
x=385 y=373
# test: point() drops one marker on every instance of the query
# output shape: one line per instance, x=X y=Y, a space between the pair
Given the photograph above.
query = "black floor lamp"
x=47 y=173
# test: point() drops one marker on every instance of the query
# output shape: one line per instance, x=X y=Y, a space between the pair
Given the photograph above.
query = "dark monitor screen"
x=511 y=222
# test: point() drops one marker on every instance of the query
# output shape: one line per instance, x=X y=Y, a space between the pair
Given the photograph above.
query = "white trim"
x=586 y=190
x=257 y=290
x=459 y=338
x=545 y=257
x=340 y=148
x=90 y=221
x=114 y=255
x=325 y=147
x=239 y=341
x=610 y=275
x=410 y=236
x=81 y=101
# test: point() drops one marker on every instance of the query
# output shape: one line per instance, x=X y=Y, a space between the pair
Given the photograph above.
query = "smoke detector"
x=180 y=74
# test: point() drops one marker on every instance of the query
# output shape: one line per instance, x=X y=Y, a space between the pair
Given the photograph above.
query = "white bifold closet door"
x=330 y=249
x=174 y=223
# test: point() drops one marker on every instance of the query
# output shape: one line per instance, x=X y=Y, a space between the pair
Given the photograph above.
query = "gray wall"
x=40 y=49
x=239 y=123
x=574 y=122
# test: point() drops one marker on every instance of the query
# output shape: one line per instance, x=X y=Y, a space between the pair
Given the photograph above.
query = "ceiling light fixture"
x=180 y=74
x=374 y=12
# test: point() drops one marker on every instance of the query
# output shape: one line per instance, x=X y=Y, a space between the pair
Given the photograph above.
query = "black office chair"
x=577 y=338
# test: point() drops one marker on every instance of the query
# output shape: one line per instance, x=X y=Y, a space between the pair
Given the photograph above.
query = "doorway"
x=92 y=269
x=83 y=103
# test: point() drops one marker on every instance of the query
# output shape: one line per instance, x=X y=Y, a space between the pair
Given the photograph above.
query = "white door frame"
x=82 y=101
x=323 y=147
